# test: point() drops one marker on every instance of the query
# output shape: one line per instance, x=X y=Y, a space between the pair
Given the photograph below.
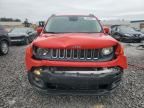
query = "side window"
x=114 y=29
x=118 y=29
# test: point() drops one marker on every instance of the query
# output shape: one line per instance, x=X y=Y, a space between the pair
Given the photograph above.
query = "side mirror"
x=39 y=30
x=106 y=30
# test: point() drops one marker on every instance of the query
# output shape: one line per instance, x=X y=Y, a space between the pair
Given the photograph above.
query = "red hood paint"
x=69 y=40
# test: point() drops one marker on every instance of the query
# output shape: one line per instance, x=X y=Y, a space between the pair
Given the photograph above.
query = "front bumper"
x=79 y=82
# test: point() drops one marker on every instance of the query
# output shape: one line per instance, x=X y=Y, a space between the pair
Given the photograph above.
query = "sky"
x=36 y=10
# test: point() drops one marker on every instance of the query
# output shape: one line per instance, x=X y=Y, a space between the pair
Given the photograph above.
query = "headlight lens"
x=127 y=35
x=107 y=51
x=41 y=52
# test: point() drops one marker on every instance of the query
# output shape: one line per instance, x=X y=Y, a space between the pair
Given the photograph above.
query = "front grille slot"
x=89 y=54
x=82 y=54
x=95 y=54
x=74 y=54
x=68 y=53
x=54 y=53
x=61 y=53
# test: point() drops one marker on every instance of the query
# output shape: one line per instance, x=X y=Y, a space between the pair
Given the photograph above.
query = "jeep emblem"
x=76 y=47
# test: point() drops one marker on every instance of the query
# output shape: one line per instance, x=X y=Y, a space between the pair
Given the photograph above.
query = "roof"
x=81 y=15
x=73 y=15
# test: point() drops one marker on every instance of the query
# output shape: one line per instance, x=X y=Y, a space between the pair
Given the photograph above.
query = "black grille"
x=72 y=54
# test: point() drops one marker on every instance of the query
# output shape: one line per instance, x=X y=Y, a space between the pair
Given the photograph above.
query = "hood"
x=72 y=40
x=16 y=34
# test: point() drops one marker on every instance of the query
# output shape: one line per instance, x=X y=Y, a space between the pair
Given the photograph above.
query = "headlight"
x=127 y=35
x=41 y=52
x=107 y=51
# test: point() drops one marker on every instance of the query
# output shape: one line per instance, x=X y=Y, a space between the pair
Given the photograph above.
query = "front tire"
x=4 y=47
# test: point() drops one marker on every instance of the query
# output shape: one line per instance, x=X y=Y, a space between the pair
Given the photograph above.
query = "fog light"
x=37 y=72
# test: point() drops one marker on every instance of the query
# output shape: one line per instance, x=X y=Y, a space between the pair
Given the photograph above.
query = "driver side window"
x=117 y=29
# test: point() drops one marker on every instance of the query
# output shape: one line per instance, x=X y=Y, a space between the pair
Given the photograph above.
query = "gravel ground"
x=16 y=92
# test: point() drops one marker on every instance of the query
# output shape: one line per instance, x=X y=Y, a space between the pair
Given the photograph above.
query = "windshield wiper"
x=51 y=32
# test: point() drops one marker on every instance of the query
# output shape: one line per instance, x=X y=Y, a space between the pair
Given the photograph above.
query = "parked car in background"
x=22 y=35
x=4 y=41
x=126 y=34
x=75 y=54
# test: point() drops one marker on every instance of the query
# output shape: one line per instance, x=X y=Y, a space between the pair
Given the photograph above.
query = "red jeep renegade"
x=75 y=55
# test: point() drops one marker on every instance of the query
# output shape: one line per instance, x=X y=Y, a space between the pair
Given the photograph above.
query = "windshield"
x=73 y=24
x=19 y=30
x=127 y=29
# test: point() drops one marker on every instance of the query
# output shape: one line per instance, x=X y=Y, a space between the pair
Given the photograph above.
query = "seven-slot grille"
x=73 y=54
